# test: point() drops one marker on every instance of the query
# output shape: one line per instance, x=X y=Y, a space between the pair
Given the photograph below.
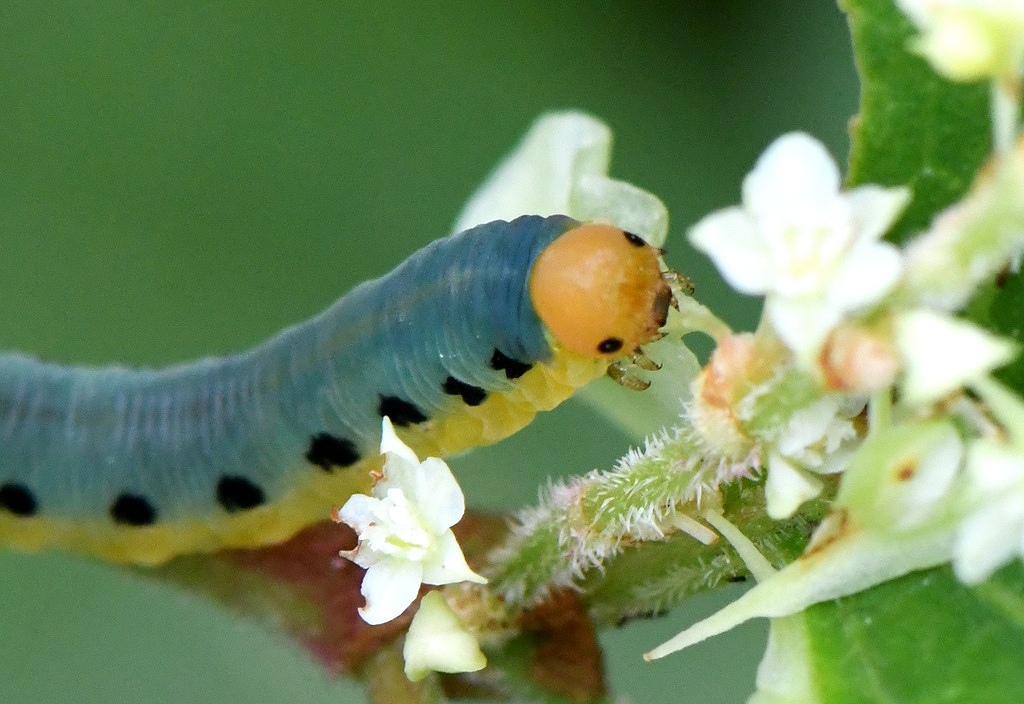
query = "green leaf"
x=914 y=128
x=922 y=638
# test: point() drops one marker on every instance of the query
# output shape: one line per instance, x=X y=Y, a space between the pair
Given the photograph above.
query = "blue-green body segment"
x=73 y=440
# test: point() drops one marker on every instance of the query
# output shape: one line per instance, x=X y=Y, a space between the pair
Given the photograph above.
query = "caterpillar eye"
x=635 y=240
x=609 y=345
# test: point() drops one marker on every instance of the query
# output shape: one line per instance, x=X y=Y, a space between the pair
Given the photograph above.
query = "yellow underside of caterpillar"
x=500 y=415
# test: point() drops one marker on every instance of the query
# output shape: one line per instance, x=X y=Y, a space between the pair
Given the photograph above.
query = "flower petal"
x=787 y=487
x=993 y=468
x=942 y=354
x=389 y=586
x=867 y=273
x=876 y=208
x=808 y=425
x=961 y=48
x=918 y=496
x=437 y=495
x=741 y=255
x=803 y=324
x=987 y=540
x=359 y=511
x=901 y=477
x=810 y=248
x=794 y=174
x=447 y=565
x=437 y=641
x=391 y=444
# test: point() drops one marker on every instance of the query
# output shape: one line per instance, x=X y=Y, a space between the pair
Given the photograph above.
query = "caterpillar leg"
x=679 y=284
x=624 y=371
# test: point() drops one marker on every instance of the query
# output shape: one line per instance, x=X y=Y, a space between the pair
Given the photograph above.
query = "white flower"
x=810 y=443
x=404 y=530
x=993 y=532
x=561 y=167
x=437 y=641
x=812 y=249
x=942 y=354
x=966 y=40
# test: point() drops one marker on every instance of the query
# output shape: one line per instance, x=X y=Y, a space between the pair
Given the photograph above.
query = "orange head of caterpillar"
x=599 y=291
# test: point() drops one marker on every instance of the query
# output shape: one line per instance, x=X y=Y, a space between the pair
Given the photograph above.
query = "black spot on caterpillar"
x=471 y=395
x=238 y=494
x=132 y=510
x=401 y=412
x=17 y=499
x=513 y=368
x=328 y=452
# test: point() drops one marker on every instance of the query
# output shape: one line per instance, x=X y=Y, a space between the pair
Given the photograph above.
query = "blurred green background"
x=180 y=179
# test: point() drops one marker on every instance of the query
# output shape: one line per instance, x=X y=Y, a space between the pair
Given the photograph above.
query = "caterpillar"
x=460 y=346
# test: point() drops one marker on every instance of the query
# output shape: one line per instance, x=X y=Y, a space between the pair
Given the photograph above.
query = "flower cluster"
x=836 y=299
x=405 y=540
x=939 y=476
